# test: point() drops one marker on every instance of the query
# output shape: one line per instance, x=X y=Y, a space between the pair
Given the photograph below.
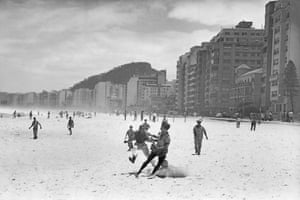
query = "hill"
x=118 y=75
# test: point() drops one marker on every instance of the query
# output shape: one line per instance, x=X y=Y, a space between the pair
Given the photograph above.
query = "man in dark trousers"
x=253 y=121
x=70 y=125
x=35 y=125
x=159 y=149
x=198 y=136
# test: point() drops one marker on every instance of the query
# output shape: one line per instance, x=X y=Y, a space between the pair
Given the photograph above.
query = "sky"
x=52 y=44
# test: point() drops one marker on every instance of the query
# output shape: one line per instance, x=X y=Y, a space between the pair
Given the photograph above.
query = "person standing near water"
x=70 y=125
x=198 y=136
x=35 y=124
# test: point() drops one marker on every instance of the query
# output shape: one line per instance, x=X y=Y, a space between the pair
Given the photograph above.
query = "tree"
x=291 y=82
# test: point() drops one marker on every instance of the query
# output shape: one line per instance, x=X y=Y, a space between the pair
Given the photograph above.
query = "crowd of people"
x=151 y=145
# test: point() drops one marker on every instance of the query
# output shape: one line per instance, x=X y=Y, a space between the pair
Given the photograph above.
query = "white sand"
x=93 y=163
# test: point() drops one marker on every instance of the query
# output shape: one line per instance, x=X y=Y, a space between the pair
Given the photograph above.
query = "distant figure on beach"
x=70 y=125
x=158 y=149
x=35 y=124
x=30 y=115
x=15 y=114
x=48 y=115
x=253 y=121
x=238 y=122
x=199 y=130
x=145 y=125
x=129 y=138
x=135 y=115
x=142 y=115
x=290 y=116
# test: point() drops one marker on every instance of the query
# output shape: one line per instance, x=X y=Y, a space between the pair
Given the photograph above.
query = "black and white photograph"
x=149 y=99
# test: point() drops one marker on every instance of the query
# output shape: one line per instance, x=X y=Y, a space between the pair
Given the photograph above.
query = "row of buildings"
x=140 y=93
x=242 y=67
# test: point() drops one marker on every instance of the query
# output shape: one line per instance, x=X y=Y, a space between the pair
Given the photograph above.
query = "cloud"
x=221 y=12
x=54 y=44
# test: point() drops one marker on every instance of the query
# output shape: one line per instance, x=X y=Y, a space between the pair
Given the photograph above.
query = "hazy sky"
x=51 y=44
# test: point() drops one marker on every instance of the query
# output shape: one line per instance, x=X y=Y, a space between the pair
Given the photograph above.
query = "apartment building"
x=230 y=48
x=283 y=46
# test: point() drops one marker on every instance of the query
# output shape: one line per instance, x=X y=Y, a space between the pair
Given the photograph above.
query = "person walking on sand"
x=70 y=125
x=198 y=136
x=30 y=115
x=129 y=137
x=48 y=114
x=35 y=124
x=253 y=122
x=158 y=149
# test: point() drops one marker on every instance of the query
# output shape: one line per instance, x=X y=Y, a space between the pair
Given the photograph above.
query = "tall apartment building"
x=205 y=74
x=267 y=54
x=283 y=37
x=188 y=77
x=230 y=48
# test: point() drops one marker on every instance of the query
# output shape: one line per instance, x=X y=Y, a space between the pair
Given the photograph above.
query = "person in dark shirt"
x=158 y=149
x=35 y=124
x=70 y=125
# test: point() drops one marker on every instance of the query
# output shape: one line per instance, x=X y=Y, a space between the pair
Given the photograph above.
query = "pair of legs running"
x=161 y=159
x=144 y=148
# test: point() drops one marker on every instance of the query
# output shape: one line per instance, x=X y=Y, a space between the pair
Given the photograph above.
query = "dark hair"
x=166 y=126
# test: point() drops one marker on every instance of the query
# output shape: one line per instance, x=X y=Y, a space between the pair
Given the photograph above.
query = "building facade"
x=284 y=36
x=246 y=92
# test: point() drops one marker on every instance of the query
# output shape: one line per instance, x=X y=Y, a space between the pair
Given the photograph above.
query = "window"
x=227 y=61
x=276 y=61
x=227 y=33
x=276 y=41
x=274 y=93
x=227 y=53
x=274 y=83
x=236 y=33
x=287 y=26
x=244 y=33
x=276 y=51
x=227 y=45
x=277 y=29
x=229 y=39
x=275 y=72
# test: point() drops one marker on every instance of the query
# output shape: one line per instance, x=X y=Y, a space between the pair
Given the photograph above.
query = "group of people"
x=35 y=125
x=137 y=140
